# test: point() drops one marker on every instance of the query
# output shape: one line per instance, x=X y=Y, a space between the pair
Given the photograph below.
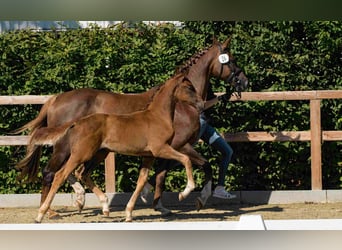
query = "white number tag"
x=223 y=58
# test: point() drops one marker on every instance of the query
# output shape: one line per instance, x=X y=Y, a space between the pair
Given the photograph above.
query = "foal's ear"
x=227 y=42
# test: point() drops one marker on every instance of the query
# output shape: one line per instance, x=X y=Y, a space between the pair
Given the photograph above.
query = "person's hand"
x=225 y=97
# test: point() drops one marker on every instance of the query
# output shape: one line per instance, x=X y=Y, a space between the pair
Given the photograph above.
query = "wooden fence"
x=314 y=134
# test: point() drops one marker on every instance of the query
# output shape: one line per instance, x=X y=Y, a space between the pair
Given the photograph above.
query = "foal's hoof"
x=53 y=215
x=128 y=219
x=181 y=197
x=37 y=222
x=105 y=213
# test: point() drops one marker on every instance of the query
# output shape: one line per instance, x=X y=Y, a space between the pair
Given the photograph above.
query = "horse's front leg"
x=159 y=187
x=206 y=191
x=197 y=159
x=142 y=179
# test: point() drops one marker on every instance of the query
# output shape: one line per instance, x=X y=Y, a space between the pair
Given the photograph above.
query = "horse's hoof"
x=164 y=212
x=79 y=206
x=199 y=204
x=180 y=197
x=37 y=222
x=105 y=213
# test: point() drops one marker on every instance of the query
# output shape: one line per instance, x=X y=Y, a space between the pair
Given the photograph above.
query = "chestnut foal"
x=143 y=133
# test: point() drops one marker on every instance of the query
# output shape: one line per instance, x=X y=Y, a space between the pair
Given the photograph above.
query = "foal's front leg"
x=168 y=152
x=142 y=179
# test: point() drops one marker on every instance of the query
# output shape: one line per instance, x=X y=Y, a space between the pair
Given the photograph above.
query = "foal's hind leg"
x=58 y=180
x=54 y=164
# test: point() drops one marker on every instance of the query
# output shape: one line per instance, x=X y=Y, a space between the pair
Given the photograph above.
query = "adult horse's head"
x=224 y=67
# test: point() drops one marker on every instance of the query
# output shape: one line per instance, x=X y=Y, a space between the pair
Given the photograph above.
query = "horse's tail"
x=39 y=121
x=29 y=165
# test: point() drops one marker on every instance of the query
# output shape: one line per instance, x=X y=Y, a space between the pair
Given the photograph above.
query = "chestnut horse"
x=72 y=105
x=141 y=133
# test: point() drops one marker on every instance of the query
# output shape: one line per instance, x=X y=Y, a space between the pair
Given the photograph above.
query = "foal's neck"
x=164 y=102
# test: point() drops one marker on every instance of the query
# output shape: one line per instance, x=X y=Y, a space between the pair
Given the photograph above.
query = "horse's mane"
x=193 y=60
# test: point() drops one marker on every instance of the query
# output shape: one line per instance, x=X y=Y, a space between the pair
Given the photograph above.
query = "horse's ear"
x=215 y=41
x=185 y=79
x=227 y=42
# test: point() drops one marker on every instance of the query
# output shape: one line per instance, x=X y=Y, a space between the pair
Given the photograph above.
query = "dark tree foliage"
x=276 y=56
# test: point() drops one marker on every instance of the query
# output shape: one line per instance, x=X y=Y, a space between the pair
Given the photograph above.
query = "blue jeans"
x=209 y=135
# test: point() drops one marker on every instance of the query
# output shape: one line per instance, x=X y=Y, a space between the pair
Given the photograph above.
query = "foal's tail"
x=29 y=165
x=49 y=136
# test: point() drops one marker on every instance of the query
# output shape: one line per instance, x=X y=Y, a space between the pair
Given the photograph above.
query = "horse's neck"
x=200 y=72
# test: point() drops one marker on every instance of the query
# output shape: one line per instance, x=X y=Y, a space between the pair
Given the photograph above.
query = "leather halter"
x=232 y=69
x=234 y=74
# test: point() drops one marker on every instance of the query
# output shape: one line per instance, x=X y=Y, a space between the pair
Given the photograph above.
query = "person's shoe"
x=144 y=193
x=221 y=193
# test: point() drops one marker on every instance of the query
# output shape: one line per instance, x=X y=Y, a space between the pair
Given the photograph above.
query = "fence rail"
x=314 y=134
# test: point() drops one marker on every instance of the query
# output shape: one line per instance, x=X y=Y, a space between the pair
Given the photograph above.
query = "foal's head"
x=186 y=92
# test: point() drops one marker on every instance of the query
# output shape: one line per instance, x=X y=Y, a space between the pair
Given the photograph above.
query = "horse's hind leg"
x=161 y=170
x=142 y=179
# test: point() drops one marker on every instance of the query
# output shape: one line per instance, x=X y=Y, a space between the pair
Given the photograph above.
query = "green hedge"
x=276 y=56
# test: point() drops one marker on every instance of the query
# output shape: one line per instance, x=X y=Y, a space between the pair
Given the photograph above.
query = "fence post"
x=316 y=139
x=110 y=173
